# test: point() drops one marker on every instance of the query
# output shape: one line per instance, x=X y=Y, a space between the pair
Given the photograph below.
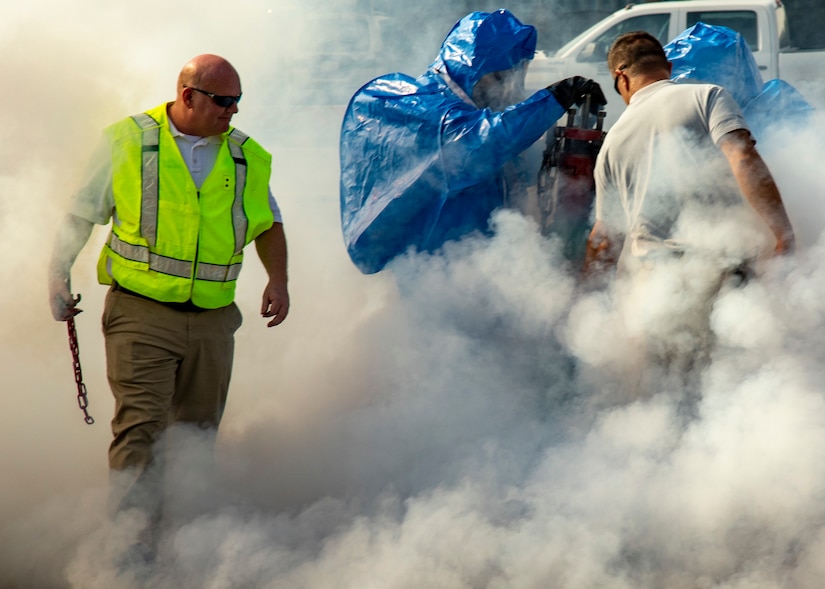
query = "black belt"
x=188 y=306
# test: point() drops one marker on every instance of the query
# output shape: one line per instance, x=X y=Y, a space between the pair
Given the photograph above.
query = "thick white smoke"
x=455 y=422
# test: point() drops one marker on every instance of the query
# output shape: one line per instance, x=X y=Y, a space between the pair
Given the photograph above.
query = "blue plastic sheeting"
x=778 y=103
x=716 y=55
x=719 y=55
x=421 y=163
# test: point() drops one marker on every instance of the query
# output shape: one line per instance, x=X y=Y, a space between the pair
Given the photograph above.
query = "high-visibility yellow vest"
x=170 y=241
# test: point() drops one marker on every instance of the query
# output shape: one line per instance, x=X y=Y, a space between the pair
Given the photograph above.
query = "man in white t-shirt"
x=678 y=160
x=669 y=150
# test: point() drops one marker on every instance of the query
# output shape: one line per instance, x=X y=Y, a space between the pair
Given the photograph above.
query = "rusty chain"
x=82 y=399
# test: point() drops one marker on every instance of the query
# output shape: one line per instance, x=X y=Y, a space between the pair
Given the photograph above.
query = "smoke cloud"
x=459 y=421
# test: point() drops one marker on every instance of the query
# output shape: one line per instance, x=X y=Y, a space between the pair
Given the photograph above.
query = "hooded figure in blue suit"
x=427 y=160
x=719 y=55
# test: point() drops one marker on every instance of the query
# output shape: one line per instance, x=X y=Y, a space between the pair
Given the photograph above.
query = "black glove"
x=574 y=90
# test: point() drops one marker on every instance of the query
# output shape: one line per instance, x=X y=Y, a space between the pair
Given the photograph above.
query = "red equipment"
x=566 y=188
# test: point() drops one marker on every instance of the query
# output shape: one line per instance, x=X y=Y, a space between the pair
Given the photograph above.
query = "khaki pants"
x=164 y=366
x=666 y=305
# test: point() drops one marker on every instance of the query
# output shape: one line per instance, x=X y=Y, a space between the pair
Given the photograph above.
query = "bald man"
x=186 y=193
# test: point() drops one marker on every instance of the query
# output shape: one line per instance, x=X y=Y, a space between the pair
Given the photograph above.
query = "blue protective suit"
x=719 y=55
x=421 y=163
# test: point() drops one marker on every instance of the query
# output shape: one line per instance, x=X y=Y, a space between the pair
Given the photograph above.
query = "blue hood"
x=718 y=55
x=715 y=55
x=481 y=43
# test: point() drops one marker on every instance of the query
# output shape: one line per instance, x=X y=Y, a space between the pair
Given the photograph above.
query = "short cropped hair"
x=638 y=51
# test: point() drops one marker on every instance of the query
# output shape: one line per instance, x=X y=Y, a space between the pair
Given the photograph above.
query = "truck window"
x=656 y=24
x=741 y=21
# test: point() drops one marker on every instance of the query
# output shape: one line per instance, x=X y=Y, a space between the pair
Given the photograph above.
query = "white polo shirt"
x=661 y=156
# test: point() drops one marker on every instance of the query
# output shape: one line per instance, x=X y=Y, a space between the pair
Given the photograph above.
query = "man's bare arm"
x=72 y=235
x=758 y=187
x=271 y=247
x=602 y=254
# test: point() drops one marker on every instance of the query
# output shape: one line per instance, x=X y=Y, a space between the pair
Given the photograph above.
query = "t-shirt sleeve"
x=724 y=114
x=94 y=200
x=276 y=210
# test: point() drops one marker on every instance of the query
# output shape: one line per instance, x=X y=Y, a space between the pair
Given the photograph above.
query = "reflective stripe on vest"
x=158 y=263
x=149 y=180
x=239 y=221
x=218 y=273
x=171 y=266
x=149 y=210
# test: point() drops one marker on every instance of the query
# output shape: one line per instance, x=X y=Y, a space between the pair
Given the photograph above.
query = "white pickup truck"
x=763 y=24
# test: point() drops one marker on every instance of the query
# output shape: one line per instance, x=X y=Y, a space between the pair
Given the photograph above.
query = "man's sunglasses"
x=222 y=101
x=616 y=80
